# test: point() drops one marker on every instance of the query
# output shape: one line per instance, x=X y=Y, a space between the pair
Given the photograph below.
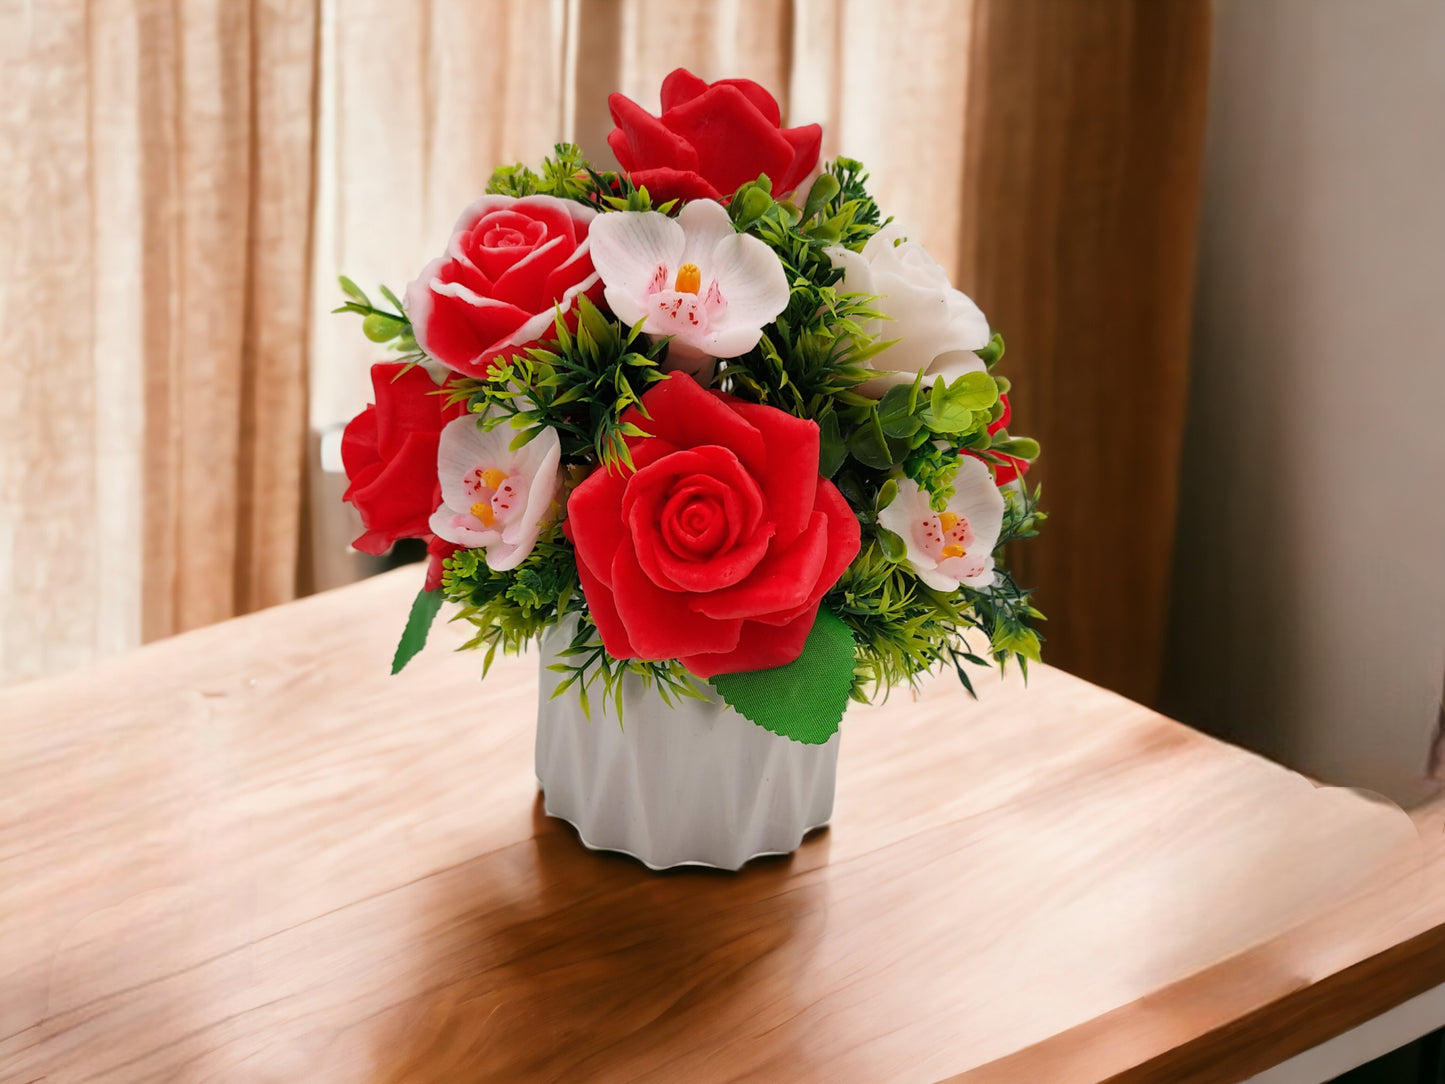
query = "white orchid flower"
x=694 y=278
x=494 y=498
x=953 y=547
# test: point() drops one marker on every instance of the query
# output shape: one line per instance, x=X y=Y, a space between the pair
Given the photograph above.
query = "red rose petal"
x=782 y=582
x=658 y=622
x=594 y=521
x=755 y=93
x=603 y=609
x=682 y=413
x=681 y=86
x=358 y=444
x=557 y=219
x=806 y=141
x=760 y=647
x=708 y=468
x=460 y=331
x=696 y=523
x=575 y=269
x=733 y=141
x=525 y=284
x=406 y=399
x=646 y=140
x=844 y=541
x=665 y=183
x=396 y=501
x=790 y=474
x=375 y=543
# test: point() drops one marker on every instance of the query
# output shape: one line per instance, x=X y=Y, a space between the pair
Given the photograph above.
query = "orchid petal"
x=704 y=224
x=627 y=249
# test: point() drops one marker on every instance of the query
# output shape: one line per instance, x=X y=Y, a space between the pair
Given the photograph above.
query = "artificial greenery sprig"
x=386 y=327
x=579 y=383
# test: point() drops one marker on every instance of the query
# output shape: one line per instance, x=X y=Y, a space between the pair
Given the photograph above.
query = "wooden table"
x=248 y=854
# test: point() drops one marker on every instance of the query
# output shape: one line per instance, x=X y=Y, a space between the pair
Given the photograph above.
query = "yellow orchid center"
x=947 y=521
x=953 y=549
x=689 y=279
x=482 y=510
x=493 y=478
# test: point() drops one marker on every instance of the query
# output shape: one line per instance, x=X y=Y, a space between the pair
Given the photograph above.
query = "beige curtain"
x=156 y=224
x=185 y=181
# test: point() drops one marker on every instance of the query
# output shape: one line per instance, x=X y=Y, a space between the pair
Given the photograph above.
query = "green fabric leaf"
x=896 y=411
x=832 y=451
x=993 y=352
x=413 y=638
x=803 y=700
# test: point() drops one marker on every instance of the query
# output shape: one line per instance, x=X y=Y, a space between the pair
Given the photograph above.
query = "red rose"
x=711 y=139
x=718 y=547
x=390 y=454
x=1011 y=466
x=509 y=264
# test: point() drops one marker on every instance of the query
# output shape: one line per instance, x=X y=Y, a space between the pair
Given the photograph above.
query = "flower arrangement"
x=712 y=413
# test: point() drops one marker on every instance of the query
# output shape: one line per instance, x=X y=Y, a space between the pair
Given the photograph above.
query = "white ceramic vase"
x=692 y=784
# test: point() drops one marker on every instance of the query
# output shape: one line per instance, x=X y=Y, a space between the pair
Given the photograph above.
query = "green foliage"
x=510 y=608
x=579 y=384
x=904 y=628
x=586 y=665
x=568 y=175
x=1003 y=610
x=424 y=610
x=803 y=700
x=386 y=327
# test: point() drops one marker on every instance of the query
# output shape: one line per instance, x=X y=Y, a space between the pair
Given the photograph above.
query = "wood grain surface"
x=248 y=854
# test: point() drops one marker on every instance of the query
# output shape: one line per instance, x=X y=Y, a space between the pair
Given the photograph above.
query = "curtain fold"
x=183 y=182
x=157 y=216
x=1085 y=137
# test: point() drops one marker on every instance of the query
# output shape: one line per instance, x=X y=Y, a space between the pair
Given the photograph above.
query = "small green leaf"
x=896 y=411
x=803 y=700
x=413 y=638
x=993 y=351
x=386 y=293
x=951 y=406
x=1022 y=447
x=886 y=493
x=353 y=291
x=891 y=544
x=832 y=450
x=751 y=202
x=871 y=447
x=824 y=189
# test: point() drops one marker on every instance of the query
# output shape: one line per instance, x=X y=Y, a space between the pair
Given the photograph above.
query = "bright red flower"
x=1011 y=466
x=389 y=451
x=717 y=549
x=711 y=139
x=509 y=264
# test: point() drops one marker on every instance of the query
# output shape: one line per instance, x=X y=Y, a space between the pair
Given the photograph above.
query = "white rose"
x=938 y=327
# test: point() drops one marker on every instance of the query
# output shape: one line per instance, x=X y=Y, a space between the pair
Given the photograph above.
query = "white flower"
x=938 y=327
x=693 y=277
x=492 y=497
x=955 y=546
